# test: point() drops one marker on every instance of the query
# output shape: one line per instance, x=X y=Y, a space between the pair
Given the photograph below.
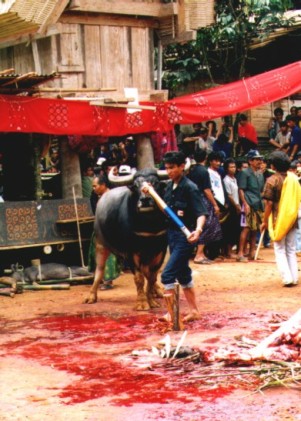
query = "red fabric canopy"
x=237 y=96
x=63 y=117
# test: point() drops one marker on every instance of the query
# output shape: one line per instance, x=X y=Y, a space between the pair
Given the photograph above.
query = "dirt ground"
x=64 y=360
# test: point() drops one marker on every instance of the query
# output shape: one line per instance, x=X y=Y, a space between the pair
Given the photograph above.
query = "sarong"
x=212 y=229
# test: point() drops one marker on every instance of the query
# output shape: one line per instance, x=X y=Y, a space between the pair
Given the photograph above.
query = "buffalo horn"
x=121 y=180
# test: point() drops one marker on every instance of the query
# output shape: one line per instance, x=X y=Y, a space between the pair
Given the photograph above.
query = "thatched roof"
x=24 y=17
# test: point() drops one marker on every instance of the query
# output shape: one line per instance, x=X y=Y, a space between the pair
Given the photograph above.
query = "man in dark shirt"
x=183 y=197
x=250 y=184
x=212 y=232
x=295 y=145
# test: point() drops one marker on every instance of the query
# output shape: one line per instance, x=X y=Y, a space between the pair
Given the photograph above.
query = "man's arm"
x=243 y=201
x=208 y=193
x=194 y=236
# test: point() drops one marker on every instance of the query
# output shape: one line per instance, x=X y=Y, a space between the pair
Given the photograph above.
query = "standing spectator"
x=130 y=148
x=220 y=196
x=282 y=195
x=282 y=139
x=293 y=112
x=205 y=141
x=247 y=136
x=274 y=122
x=212 y=129
x=212 y=232
x=112 y=267
x=224 y=143
x=299 y=117
x=295 y=145
x=231 y=186
x=87 y=180
x=190 y=142
x=250 y=184
x=182 y=196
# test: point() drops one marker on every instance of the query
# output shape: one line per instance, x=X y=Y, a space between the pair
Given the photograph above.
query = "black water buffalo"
x=129 y=224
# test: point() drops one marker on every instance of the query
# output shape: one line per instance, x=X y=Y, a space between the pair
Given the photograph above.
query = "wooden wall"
x=89 y=55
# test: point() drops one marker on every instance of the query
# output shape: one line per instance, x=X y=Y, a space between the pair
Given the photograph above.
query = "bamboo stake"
x=169 y=298
x=177 y=322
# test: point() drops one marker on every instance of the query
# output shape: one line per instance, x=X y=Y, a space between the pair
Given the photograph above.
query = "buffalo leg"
x=101 y=256
x=152 y=290
x=142 y=302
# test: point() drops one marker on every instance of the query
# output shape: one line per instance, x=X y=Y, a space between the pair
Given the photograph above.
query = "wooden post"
x=70 y=167
x=145 y=154
x=177 y=323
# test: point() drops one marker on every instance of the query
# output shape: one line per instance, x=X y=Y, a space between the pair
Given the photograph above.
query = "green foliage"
x=222 y=50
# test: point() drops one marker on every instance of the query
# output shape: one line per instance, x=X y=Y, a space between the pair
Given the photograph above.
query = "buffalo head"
x=135 y=180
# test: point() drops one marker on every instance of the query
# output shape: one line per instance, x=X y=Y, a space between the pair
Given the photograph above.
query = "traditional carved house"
x=83 y=50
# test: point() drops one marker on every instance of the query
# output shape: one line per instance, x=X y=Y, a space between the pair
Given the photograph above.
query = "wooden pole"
x=78 y=229
x=177 y=322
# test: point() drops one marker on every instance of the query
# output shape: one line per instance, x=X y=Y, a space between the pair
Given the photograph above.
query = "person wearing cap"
x=182 y=196
x=250 y=184
x=282 y=196
x=124 y=170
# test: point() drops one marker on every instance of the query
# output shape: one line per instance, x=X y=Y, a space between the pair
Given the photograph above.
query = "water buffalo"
x=129 y=224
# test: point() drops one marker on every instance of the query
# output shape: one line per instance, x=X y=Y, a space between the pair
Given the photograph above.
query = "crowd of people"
x=238 y=193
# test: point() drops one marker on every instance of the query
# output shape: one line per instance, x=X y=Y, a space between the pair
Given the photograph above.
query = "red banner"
x=236 y=97
x=63 y=117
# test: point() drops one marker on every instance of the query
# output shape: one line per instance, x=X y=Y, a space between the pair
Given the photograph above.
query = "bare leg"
x=101 y=255
x=242 y=242
x=190 y=296
x=252 y=244
x=200 y=253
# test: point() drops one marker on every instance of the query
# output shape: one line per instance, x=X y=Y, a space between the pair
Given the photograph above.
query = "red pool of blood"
x=90 y=347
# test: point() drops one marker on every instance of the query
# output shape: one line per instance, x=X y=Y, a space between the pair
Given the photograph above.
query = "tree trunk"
x=70 y=167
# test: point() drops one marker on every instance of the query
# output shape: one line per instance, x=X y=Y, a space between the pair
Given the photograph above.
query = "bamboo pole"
x=130 y=106
x=259 y=245
x=37 y=287
x=64 y=90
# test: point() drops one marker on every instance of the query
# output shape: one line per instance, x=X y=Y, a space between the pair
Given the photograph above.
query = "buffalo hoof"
x=142 y=306
x=154 y=304
x=157 y=291
x=91 y=299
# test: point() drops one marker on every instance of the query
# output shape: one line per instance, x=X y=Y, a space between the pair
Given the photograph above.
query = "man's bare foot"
x=165 y=318
x=194 y=315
